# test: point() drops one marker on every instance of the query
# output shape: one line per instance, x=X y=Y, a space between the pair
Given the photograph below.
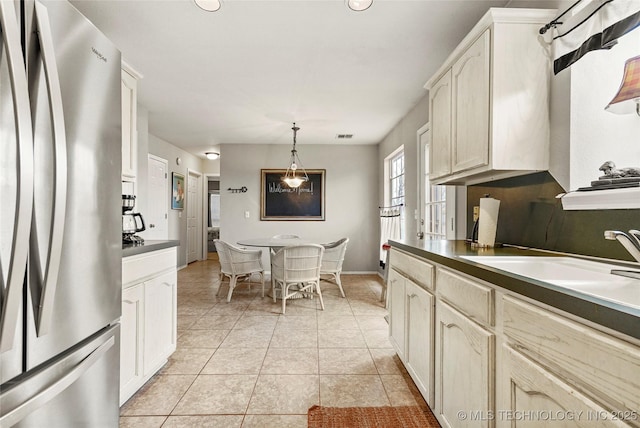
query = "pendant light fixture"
x=293 y=178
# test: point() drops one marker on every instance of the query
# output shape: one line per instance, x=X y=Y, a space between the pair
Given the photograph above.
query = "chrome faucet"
x=631 y=242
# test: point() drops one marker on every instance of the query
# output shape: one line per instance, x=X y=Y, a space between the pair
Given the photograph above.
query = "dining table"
x=275 y=243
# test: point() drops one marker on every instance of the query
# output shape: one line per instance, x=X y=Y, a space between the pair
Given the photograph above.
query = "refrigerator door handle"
x=27 y=407
x=11 y=292
x=44 y=308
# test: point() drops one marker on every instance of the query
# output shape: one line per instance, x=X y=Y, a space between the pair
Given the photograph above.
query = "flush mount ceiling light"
x=627 y=100
x=359 y=5
x=212 y=155
x=209 y=5
x=292 y=178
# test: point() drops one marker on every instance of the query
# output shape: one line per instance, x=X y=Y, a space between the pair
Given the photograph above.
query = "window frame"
x=449 y=219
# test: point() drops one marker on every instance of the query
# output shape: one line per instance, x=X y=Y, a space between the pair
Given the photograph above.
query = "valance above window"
x=596 y=26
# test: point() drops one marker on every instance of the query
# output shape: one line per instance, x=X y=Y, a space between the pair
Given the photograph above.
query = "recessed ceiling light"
x=359 y=5
x=209 y=5
x=212 y=155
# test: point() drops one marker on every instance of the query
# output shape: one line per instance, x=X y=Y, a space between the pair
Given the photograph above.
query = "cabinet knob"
x=152 y=225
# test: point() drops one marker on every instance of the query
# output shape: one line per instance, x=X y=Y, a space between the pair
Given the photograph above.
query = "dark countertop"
x=148 y=246
x=624 y=319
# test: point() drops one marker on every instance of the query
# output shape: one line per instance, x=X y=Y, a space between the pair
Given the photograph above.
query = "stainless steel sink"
x=584 y=276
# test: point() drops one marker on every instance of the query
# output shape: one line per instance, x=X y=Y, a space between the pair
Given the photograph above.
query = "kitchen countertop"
x=624 y=319
x=148 y=246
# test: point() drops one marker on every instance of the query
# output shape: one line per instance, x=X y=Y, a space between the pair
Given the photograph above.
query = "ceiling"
x=243 y=74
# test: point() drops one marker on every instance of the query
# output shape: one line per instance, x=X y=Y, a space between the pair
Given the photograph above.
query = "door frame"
x=451 y=226
x=205 y=212
x=198 y=211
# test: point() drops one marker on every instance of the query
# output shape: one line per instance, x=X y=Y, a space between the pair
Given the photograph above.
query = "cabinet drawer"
x=415 y=269
x=468 y=296
x=606 y=366
x=140 y=267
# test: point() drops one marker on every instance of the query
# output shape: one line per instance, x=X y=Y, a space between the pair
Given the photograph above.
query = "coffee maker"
x=132 y=223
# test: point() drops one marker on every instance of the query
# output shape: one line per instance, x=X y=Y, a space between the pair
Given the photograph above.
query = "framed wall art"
x=177 y=191
x=280 y=202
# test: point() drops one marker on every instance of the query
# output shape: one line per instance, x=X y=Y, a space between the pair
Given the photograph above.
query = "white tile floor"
x=243 y=364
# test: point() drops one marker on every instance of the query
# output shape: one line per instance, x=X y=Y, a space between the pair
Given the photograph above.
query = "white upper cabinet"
x=489 y=102
x=129 y=85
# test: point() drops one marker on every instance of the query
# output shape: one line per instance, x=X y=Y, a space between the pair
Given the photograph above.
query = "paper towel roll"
x=488 y=221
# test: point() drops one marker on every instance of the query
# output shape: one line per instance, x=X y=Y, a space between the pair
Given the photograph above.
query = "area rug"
x=370 y=417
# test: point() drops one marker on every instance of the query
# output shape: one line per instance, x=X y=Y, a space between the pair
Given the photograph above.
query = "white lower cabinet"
x=149 y=317
x=411 y=329
x=537 y=397
x=483 y=356
x=397 y=322
x=131 y=334
x=420 y=319
x=160 y=296
x=465 y=371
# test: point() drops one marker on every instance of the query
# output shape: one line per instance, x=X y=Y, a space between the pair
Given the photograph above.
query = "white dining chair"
x=296 y=270
x=238 y=263
x=332 y=260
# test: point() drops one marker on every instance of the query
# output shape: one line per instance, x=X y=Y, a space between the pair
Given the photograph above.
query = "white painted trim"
x=612 y=199
x=198 y=174
x=205 y=198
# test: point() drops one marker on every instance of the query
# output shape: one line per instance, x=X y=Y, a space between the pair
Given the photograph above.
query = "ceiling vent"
x=344 y=136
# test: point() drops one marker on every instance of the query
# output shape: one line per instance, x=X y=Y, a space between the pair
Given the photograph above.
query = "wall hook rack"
x=242 y=189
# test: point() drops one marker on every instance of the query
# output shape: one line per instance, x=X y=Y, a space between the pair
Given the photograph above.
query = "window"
x=435 y=209
x=396 y=178
x=394 y=189
x=437 y=203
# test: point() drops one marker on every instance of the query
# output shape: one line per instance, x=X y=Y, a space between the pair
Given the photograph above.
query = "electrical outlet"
x=476 y=213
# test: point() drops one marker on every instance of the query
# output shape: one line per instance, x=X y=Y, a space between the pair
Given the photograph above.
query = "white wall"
x=596 y=135
x=351 y=202
x=405 y=133
x=177 y=218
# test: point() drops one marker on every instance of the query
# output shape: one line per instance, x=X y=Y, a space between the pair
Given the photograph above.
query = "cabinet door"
x=539 y=395
x=470 y=106
x=129 y=126
x=131 y=335
x=160 y=320
x=465 y=372
x=397 y=327
x=440 y=145
x=420 y=341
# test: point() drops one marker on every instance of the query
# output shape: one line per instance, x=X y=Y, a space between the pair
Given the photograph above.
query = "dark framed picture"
x=280 y=202
x=177 y=191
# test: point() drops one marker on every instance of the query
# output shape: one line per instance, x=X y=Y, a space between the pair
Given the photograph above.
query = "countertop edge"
x=623 y=319
x=148 y=246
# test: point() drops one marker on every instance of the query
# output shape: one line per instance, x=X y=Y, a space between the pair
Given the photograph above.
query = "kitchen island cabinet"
x=149 y=316
x=507 y=352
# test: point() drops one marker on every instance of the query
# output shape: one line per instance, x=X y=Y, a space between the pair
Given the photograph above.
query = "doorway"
x=194 y=216
x=213 y=215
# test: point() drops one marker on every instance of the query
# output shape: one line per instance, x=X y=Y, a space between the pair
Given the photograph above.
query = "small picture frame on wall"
x=177 y=191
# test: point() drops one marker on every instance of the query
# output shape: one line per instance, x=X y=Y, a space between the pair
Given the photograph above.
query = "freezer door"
x=74 y=273
x=77 y=389
x=16 y=190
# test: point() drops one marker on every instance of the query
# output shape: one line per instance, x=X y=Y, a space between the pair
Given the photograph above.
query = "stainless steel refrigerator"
x=60 y=207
